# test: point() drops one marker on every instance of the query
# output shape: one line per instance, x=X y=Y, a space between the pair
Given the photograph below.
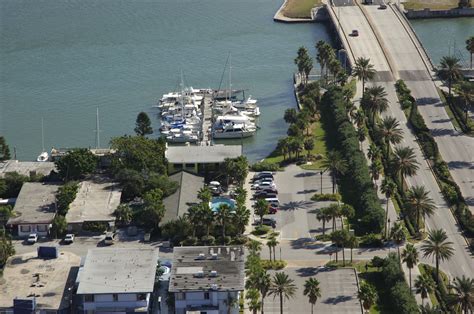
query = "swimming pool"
x=216 y=202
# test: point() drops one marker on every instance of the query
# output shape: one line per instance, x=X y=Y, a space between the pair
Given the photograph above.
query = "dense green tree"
x=7 y=248
x=132 y=182
x=424 y=285
x=59 y=226
x=470 y=47
x=462 y=298
x=374 y=102
x=138 y=153
x=5 y=214
x=438 y=247
x=364 y=71
x=374 y=152
x=291 y=116
x=309 y=146
x=143 y=125
x=336 y=164
x=367 y=295
x=405 y=163
x=153 y=209
x=312 y=290
x=253 y=296
x=235 y=169
x=65 y=196
x=410 y=257
x=76 y=164
x=123 y=214
x=4 y=149
x=390 y=131
x=283 y=287
x=419 y=203
x=450 y=70
x=12 y=183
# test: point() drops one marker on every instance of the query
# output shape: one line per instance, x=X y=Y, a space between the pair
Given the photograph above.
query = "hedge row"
x=401 y=299
x=449 y=188
x=326 y=197
x=455 y=105
x=356 y=185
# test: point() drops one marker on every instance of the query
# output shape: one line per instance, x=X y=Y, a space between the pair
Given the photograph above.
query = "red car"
x=272 y=210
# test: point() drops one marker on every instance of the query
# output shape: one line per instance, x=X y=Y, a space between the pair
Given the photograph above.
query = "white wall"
x=125 y=301
x=33 y=228
x=195 y=299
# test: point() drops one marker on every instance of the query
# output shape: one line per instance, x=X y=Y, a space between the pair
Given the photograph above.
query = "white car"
x=32 y=238
x=69 y=238
x=263 y=185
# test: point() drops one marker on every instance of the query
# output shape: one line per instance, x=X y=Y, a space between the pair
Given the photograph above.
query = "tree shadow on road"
x=461 y=165
x=338 y=299
x=294 y=205
x=305 y=243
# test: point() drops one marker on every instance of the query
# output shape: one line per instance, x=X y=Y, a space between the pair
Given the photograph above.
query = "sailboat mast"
x=230 y=78
x=97 y=140
x=42 y=134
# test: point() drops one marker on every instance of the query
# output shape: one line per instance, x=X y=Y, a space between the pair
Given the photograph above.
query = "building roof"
x=26 y=167
x=178 y=203
x=190 y=273
x=48 y=279
x=202 y=154
x=35 y=204
x=118 y=270
x=96 y=200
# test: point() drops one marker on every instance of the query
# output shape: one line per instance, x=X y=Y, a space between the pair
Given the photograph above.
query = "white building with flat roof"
x=117 y=280
x=35 y=209
x=207 y=279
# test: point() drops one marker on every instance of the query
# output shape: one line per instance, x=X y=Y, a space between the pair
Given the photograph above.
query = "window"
x=141 y=296
x=189 y=165
x=89 y=298
x=115 y=297
x=41 y=228
x=25 y=228
x=206 y=295
x=180 y=296
x=178 y=166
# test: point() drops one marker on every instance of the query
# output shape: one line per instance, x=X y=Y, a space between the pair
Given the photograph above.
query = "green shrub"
x=449 y=193
x=65 y=196
x=208 y=240
x=371 y=240
x=190 y=241
x=275 y=265
x=261 y=230
x=239 y=240
x=95 y=226
x=326 y=197
x=442 y=170
x=320 y=237
x=264 y=166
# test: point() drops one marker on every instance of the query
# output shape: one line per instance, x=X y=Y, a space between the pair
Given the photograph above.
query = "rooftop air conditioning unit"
x=199 y=274
x=201 y=256
x=214 y=287
x=214 y=256
x=213 y=273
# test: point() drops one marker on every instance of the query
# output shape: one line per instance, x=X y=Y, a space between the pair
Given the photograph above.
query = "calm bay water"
x=60 y=59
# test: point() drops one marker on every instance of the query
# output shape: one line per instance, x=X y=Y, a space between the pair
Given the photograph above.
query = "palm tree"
x=241 y=218
x=450 y=70
x=284 y=147
x=254 y=304
x=336 y=164
x=263 y=285
x=470 y=46
x=463 y=296
x=207 y=217
x=346 y=211
x=374 y=101
x=375 y=169
x=334 y=211
x=364 y=71
x=361 y=134
x=340 y=238
x=397 y=235
x=374 y=152
x=359 y=117
x=352 y=242
x=427 y=309
x=261 y=209
x=312 y=290
x=282 y=286
x=405 y=163
x=194 y=217
x=438 y=247
x=367 y=295
x=410 y=257
x=254 y=247
x=272 y=243
x=205 y=195
x=388 y=188
x=465 y=92
x=389 y=129
x=324 y=215
x=424 y=285
x=419 y=203
x=223 y=216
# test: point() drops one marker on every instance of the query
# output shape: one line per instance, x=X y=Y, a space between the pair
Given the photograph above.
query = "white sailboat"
x=44 y=156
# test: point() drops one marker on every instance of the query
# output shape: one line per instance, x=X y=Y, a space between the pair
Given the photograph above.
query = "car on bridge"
x=354 y=33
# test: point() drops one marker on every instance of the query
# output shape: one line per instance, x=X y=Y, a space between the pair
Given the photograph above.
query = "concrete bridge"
x=387 y=39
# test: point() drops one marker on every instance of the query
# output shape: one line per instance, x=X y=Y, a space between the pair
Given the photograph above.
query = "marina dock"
x=206 y=108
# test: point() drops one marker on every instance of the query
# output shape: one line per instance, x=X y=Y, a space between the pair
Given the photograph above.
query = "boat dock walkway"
x=206 y=108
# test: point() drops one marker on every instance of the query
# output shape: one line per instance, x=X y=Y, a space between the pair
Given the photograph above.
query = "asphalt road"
x=366 y=45
x=457 y=149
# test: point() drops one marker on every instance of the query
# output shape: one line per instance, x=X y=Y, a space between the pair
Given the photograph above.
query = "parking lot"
x=338 y=292
x=296 y=217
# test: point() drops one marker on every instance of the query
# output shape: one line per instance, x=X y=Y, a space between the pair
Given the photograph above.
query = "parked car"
x=32 y=238
x=69 y=238
x=269 y=222
x=273 y=201
x=265 y=195
x=355 y=33
x=262 y=175
x=109 y=238
x=263 y=185
x=266 y=191
x=272 y=210
x=382 y=6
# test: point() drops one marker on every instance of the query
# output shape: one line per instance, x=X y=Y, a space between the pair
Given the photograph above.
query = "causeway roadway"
x=370 y=44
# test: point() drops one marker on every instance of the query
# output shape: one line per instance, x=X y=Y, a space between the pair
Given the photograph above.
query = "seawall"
x=431 y=14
